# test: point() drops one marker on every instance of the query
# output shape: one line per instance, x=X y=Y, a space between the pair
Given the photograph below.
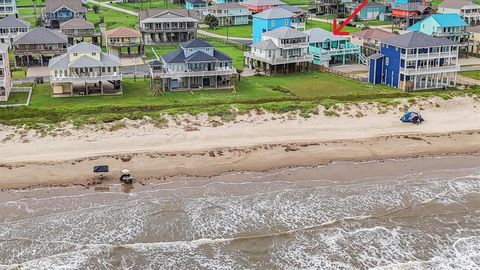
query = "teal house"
x=274 y=18
x=198 y=5
x=328 y=48
x=227 y=1
x=448 y=25
x=371 y=11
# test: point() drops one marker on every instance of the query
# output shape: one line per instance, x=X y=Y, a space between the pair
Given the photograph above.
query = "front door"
x=206 y=82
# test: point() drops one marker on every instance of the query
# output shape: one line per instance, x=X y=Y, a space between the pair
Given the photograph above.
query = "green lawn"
x=16 y=98
x=243 y=31
x=112 y=18
x=147 y=5
x=18 y=74
x=475 y=74
x=279 y=94
x=297 y=2
x=329 y=27
x=28 y=12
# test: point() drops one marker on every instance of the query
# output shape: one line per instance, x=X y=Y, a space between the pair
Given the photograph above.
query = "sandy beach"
x=203 y=146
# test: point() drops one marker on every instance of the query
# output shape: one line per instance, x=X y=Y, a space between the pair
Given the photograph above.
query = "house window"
x=386 y=60
x=94 y=53
x=273 y=23
x=109 y=69
x=286 y=22
x=75 y=54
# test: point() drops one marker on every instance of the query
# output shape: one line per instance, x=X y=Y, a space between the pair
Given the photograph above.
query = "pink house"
x=256 y=6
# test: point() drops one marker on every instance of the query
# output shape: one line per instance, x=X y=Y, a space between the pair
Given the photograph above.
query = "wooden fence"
x=339 y=73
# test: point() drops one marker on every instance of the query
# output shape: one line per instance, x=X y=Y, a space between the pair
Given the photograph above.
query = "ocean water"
x=290 y=219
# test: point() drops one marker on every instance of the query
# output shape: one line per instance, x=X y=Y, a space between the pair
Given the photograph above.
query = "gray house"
x=38 y=46
x=57 y=12
x=10 y=27
x=168 y=25
x=196 y=65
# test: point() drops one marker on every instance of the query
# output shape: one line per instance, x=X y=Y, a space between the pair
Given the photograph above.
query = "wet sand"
x=155 y=166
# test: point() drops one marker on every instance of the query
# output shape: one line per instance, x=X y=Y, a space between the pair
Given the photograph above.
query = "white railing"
x=113 y=77
x=340 y=51
x=298 y=25
x=428 y=55
x=178 y=74
x=430 y=70
x=293 y=46
x=277 y=61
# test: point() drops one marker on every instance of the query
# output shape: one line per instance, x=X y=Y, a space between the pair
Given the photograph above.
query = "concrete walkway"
x=106 y=5
x=468 y=80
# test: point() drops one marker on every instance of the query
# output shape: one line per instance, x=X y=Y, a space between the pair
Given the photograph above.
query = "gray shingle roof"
x=11 y=21
x=274 y=13
x=83 y=47
x=196 y=43
x=85 y=61
x=77 y=23
x=412 y=7
x=418 y=40
x=221 y=56
x=174 y=57
x=75 y=5
x=285 y=32
x=200 y=56
x=265 y=45
x=178 y=57
x=40 y=35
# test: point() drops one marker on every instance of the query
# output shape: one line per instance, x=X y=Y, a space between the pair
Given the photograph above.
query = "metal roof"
x=375 y=33
x=456 y=4
x=63 y=61
x=263 y=3
x=200 y=56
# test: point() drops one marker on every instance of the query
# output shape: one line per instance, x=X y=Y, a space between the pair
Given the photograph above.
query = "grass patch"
x=16 y=98
x=474 y=74
x=242 y=31
x=303 y=92
x=19 y=73
x=329 y=27
x=112 y=18
x=147 y=5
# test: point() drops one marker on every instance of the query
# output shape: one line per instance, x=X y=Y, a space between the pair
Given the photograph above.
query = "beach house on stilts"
x=85 y=70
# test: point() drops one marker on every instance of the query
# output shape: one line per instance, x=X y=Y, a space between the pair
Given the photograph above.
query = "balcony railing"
x=281 y=60
x=39 y=50
x=428 y=55
x=124 y=44
x=330 y=52
x=179 y=74
x=429 y=70
x=451 y=34
x=298 y=25
x=293 y=45
x=86 y=78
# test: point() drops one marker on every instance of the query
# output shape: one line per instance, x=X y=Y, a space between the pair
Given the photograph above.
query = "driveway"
x=38 y=72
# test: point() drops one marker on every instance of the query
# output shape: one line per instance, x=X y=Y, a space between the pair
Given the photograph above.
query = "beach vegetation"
x=306 y=92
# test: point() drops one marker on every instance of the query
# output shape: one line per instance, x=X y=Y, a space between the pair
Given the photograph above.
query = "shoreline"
x=259 y=141
x=155 y=167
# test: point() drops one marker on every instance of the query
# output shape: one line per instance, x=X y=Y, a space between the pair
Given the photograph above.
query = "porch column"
x=101 y=87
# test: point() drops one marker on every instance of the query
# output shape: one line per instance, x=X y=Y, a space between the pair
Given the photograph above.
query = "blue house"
x=406 y=1
x=371 y=11
x=415 y=61
x=449 y=25
x=198 y=5
x=274 y=18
